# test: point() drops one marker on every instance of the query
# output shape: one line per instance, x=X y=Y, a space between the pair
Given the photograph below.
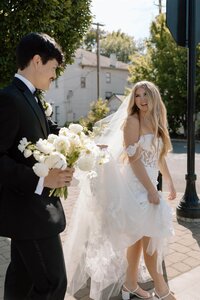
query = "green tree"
x=99 y=110
x=65 y=20
x=90 y=39
x=119 y=43
x=165 y=64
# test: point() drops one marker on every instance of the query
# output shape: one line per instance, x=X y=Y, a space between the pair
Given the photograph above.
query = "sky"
x=133 y=17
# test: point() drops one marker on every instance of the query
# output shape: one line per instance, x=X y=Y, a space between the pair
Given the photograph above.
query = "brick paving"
x=184 y=249
x=183 y=254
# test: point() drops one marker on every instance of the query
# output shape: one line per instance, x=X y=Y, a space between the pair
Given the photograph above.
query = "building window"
x=57 y=113
x=83 y=82
x=108 y=95
x=56 y=83
x=69 y=94
x=108 y=77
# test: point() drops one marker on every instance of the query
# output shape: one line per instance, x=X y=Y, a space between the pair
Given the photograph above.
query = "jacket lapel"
x=34 y=105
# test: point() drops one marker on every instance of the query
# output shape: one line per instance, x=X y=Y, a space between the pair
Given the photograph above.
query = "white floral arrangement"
x=70 y=148
x=46 y=105
x=47 y=108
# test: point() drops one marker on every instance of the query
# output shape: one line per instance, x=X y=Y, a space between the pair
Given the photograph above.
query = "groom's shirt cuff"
x=40 y=186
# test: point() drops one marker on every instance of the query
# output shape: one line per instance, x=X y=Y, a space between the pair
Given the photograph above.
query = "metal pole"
x=189 y=206
x=160 y=7
x=98 y=62
x=98 y=58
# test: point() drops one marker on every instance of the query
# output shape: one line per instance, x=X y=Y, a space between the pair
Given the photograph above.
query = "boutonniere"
x=46 y=105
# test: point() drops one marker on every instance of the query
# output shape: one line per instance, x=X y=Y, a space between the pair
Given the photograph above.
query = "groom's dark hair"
x=37 y=43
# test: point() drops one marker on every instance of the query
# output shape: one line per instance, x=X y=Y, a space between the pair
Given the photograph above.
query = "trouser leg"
x=37 y=270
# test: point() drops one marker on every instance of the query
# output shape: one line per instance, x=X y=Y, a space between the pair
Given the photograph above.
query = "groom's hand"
x=102 y=146
x=58 y=178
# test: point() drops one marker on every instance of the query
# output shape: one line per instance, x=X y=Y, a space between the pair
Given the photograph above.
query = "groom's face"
x=45 y=73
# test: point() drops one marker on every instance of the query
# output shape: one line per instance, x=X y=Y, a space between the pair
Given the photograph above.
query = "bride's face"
x=141 y=99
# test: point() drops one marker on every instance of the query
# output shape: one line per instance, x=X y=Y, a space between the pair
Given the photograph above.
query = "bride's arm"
x=131 y=137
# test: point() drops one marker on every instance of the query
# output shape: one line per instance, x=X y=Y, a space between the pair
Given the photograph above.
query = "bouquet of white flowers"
x=70 y=148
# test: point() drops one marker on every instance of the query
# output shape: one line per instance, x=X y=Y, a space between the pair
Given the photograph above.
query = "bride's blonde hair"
x=156 y=113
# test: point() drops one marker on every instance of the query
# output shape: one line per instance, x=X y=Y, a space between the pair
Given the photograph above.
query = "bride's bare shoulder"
x=131 y=130
x=132 y=120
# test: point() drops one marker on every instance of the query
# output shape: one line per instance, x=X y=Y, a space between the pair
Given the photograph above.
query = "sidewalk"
x=182 y=262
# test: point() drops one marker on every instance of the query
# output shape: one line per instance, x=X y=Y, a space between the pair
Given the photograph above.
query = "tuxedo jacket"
x=23 y=213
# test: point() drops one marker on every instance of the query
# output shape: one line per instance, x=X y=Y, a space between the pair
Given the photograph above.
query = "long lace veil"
x=112 y=133
x=93 y=248
x=106 y=220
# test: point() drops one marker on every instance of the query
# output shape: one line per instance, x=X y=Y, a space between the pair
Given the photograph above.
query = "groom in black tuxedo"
x=28 y=216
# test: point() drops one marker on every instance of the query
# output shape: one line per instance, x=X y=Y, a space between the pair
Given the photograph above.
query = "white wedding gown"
x=112 y=212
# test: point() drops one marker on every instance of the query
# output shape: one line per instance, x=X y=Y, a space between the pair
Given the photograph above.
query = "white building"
x=73 y=92
x=114 y=102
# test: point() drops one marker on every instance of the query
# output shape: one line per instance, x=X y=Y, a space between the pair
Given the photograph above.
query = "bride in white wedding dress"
x=119 y=213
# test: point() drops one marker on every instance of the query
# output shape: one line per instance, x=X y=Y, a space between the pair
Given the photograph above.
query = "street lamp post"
x=183 y=21
x=189 y=206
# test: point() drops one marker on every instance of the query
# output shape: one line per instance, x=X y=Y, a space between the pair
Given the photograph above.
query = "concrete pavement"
x=183 y=260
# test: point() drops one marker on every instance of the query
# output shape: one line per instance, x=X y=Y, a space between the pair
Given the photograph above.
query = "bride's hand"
x=153 y=197
x=172 y=192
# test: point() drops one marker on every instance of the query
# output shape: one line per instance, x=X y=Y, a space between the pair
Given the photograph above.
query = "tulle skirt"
x=112 y=212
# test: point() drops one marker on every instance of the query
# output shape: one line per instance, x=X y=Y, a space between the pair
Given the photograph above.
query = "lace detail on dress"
x=149 y=158
x=149 y=152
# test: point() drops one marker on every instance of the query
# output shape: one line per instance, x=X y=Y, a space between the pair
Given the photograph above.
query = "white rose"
x=22 y=144
x=86 y=163
x=27 y=153
x=75 y=128
x=21 y=148
x=62 y=144
x=51 y=138
x=64 y=131
x=44 y=146
x=92 y=148
x=38 y=156
x=74 y=140
x=41 y=169
x=56 y=160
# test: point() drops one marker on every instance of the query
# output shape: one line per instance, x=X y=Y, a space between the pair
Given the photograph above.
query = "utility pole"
x=98 y=58
x=159 y=6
